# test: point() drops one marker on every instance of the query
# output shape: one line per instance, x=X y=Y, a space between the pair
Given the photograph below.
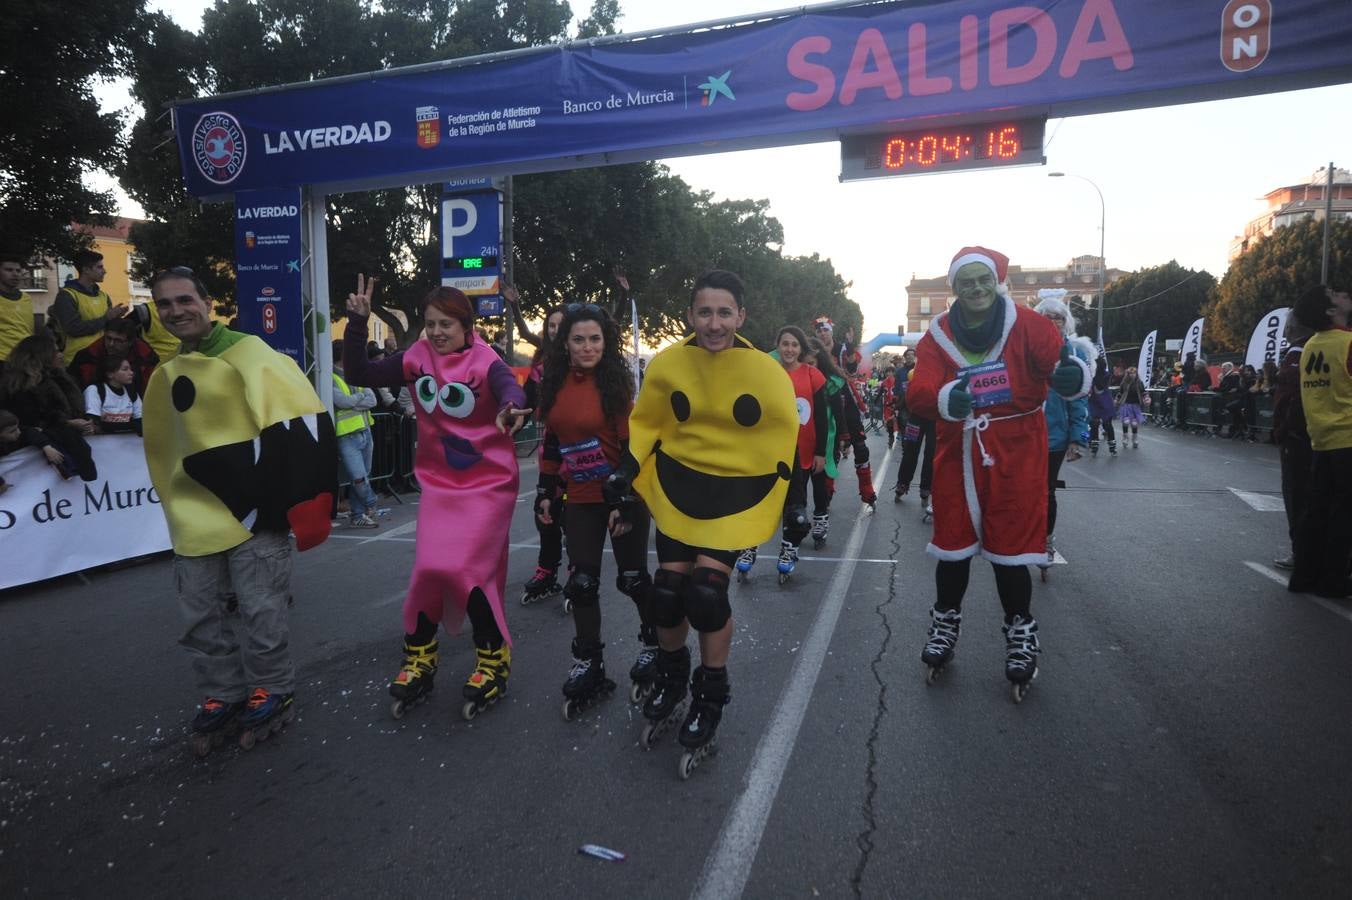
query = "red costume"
x=990 y=471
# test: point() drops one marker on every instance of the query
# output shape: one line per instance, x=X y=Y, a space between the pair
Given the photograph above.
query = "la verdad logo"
x=325 y=137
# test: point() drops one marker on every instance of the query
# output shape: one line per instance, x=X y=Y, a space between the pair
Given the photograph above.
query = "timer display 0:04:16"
x=954 y=146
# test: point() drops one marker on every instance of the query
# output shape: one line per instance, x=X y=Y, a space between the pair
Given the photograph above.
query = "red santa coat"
x=990 y=471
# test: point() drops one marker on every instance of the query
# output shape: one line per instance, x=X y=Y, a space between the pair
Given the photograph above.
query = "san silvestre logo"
x=218 y=147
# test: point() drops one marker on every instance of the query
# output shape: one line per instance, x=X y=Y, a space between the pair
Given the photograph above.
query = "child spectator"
x=37 y=389
x=114 y=404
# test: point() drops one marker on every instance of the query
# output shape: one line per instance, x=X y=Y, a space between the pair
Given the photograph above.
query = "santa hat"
x=994 y=260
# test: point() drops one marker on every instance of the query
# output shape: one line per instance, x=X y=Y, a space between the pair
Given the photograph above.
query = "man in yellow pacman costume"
x=241 y=451
x=711 y=451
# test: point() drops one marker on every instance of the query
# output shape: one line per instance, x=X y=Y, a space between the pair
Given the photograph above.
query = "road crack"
x=865 y=839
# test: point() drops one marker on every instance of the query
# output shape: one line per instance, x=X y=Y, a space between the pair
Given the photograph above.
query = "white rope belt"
x=982 y=422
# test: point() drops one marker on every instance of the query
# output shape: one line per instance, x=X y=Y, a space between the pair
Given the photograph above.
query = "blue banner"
x=802 y=77
x=267 y=269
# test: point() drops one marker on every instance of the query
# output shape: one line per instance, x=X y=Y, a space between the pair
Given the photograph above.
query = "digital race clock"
x=1016 y=142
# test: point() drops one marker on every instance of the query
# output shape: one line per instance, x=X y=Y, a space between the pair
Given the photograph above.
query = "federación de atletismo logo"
x=218 y=147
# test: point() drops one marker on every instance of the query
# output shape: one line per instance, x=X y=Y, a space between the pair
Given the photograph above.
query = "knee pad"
x=668 y=605
x=634 y=583
x=796 y=524
x=861 y=455
x=706 y=600
x=582 y=589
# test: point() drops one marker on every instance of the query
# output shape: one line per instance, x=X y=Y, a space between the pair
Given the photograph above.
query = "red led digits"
x=951 y=145
x=1007 y=145
x=927 y=150
x=894 y=153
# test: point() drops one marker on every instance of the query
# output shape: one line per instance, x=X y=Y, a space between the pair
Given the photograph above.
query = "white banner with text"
x=50 y=527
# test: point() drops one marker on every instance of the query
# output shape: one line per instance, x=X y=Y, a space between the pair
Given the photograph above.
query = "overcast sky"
x=1178 y=182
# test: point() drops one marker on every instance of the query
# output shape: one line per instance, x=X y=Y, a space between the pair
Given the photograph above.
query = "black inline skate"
x=414 y=681
x=266 y=713
x=942 y=641
x=1021 y=653
x=643 y=673
x=542 y=585
x=487 y=684
x=587 y=683
x=821 y=525
x=666 y=704
x=216 y=720
x=709 y=693
x=788 y=561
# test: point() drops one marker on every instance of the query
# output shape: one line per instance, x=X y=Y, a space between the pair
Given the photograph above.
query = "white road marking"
x=393 y=533
x=1281 y=579
x=1260 y=502
x=729 y=863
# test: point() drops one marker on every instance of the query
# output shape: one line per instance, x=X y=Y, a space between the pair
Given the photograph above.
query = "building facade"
x=1296 y=203
x=926 y=297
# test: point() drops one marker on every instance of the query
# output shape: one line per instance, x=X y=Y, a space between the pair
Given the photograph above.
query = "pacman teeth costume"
x=236 y=444
x=467 y=471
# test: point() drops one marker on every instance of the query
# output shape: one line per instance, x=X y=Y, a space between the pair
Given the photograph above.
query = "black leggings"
x=481 y=623
x=586 y=528
x=821 y=493
x=1054 y=460
x=1107 y=429
x=551 y=536
x=911 y=452
x=1013 y=583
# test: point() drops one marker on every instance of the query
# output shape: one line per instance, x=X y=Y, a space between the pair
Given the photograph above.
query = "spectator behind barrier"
x=114 y=404
x=352 y=420
x=37 y=389
x=82 y=308
x=122 y=339
x=17 y=320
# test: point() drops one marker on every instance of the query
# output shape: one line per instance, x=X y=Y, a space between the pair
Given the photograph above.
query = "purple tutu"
x=1130 y=414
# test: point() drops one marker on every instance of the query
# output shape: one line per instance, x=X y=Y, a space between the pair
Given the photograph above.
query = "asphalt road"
x=1188 y=734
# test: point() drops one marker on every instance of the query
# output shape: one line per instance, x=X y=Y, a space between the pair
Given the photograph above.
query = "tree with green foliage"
x=54 y=134
x=1168 y=298
x=1272 y=274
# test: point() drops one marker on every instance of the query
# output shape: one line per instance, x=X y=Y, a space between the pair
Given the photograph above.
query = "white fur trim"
x=1022 y=559
x=971 y=258
x=1011 y=314
x=944 y=341
x=969 y=482
x=943 y=401
x=953 y=555
x=1086 y=347
x=1086 y=378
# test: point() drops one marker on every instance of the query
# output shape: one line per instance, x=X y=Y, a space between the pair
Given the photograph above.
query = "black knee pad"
x=668 y=604
x=634 y=583
x=582 y=589
x=706 y=600
x=796 y=524
x=861 y=455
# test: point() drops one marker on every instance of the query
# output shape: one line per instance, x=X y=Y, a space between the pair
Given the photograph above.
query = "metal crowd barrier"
x=394 y=439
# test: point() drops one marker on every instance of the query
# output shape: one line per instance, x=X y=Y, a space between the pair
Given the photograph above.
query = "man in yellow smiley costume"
x=241 y=451
x=711 y=450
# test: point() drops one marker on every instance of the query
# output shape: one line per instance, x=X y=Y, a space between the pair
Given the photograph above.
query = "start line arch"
x=834 y=71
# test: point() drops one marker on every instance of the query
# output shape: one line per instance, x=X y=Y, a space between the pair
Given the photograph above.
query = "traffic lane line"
x=1330 y=605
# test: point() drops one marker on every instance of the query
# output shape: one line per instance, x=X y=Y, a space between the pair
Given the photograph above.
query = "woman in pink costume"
x=468 y=407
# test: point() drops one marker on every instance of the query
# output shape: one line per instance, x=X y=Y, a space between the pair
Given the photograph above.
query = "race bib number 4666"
x=989 y=383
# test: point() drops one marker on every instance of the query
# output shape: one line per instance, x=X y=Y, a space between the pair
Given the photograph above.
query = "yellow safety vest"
x=16 y=322
x=1326 y=389
x=349 y=420
x=158 y=337
x=90 y=307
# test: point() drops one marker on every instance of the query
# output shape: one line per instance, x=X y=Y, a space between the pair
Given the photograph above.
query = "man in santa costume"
x=982 y=373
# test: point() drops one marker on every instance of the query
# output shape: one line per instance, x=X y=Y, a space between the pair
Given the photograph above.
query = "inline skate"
x=266 y=713
x=1021 y=653
x=643 y=673
x=941 y=642
x=216 y=720
x=820 y=526
x=414 y=681
x=709 y=693
x=542 y=585
x=788 y=561
x=487 y=684
x=745 y=561
x=587 y=683
x=666 y=704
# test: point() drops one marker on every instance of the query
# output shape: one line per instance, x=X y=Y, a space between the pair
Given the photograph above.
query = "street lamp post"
x=1103 y=262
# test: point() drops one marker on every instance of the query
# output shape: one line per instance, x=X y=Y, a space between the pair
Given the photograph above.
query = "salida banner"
x=805 y=76
x=49 y=527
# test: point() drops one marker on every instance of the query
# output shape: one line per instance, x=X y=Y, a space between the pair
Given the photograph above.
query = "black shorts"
x=671 y=550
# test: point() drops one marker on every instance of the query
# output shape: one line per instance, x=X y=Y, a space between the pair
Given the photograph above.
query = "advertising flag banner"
x=1145 y=363
x=811 y=74
x=267 y=269
x=1192 y=341
x=1268 y=342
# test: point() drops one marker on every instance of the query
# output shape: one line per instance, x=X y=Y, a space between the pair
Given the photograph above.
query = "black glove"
x=547 y=488
x=617 y=490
